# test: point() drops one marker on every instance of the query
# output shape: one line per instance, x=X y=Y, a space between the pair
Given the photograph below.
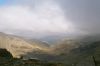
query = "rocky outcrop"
x=5 y=53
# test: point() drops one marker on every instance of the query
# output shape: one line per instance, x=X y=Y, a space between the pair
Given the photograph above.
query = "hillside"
x=64 y=51
x=18 y=46
x=65 y=46
x=83 y=55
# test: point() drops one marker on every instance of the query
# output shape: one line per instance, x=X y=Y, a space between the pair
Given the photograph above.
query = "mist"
x=84 y=14
x=41 y=18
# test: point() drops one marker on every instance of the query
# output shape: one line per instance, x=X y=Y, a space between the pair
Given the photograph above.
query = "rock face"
x=6 y=54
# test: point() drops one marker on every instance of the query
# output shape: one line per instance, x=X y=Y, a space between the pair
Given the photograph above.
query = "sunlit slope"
x=17 y=46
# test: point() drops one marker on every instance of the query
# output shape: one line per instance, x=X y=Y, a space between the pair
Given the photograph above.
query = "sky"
x=41 y=18
x=2 y=2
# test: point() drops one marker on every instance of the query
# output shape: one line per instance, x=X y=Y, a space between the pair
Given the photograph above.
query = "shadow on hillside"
x=6 y=59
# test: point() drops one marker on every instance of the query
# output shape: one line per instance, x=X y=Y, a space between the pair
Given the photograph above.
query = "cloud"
x=45 y=18
x=50 y=17
x=84 y=14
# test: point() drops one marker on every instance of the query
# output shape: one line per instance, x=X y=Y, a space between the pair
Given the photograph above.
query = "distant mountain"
x=64 y=46
x=39 y=43
x=81 y=52
x=84 y=53
x=77 y=50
